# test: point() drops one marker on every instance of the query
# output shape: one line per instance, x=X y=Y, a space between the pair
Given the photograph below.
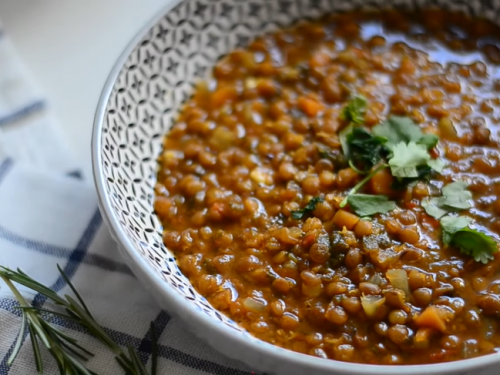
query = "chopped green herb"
x=452 y=224
x=478 y=245
x=324 y=154
x=311 y=205
x=455 y=197
x=424 y=173
x=362 y=183
x=397 y=141
x=406 y=158
x=367 y=205
x=428 y=140
x=354 y=111
x=365 y=150
x=410 y=160
x=343 y=140
x=432 y=207
x=399 y=129
x=471 y=242
x=436 y=164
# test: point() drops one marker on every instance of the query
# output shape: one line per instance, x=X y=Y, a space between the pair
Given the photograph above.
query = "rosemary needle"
x=68 y=354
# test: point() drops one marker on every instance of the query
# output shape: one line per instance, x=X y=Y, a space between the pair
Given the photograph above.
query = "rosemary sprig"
x=68 y=354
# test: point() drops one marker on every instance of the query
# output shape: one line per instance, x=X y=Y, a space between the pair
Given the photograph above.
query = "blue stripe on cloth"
x=5 y=168
x=75 y=258
x=23 y=112
x=143 y=346
x=70 y=269
x=95 y=260
x=10 y=305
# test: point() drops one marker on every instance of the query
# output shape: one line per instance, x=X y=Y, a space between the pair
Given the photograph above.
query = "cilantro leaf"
x=355 y=109
x=367 y=205
x=424 y=171
x=455 y=197
x=361 y=183
x=451 y=225
x=478 y=245
x=365 y=149
x=399 y=129
x=343 y=140
x=432 y=207
x=436 y=164
x=406 y=158
x=311 y=205
x=428 y=140
x=456 y=232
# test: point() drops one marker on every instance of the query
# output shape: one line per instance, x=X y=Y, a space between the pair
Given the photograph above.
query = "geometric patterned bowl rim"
x=262 y=352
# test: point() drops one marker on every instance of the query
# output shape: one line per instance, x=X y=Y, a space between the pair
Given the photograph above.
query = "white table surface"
x=70 y=47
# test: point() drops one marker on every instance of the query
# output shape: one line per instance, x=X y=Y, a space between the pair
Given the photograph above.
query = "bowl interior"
x=158 y=76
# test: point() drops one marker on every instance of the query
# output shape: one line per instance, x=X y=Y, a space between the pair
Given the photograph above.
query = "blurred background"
x=70 y=46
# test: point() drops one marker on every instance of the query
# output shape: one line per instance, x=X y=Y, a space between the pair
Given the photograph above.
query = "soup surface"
x=335 y=188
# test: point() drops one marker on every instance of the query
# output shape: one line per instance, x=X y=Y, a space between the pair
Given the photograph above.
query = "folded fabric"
x=49 y=216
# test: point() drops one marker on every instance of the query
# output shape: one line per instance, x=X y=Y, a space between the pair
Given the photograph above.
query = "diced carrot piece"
x=309 y=106
x=345 y=219
x=224 y=95
x=431 y=318
x=381 y=182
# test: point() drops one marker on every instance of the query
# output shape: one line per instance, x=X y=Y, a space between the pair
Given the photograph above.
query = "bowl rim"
x=188 y=312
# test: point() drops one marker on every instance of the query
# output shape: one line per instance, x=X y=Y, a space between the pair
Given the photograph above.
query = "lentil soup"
x=335 y=187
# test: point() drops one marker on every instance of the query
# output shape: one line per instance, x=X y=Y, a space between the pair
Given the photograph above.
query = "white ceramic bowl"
x=151 y=79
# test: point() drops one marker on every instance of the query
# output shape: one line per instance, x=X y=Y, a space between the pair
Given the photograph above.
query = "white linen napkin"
x=49 y=216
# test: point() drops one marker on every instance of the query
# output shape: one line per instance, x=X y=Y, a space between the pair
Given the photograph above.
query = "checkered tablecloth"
x=49 y=216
